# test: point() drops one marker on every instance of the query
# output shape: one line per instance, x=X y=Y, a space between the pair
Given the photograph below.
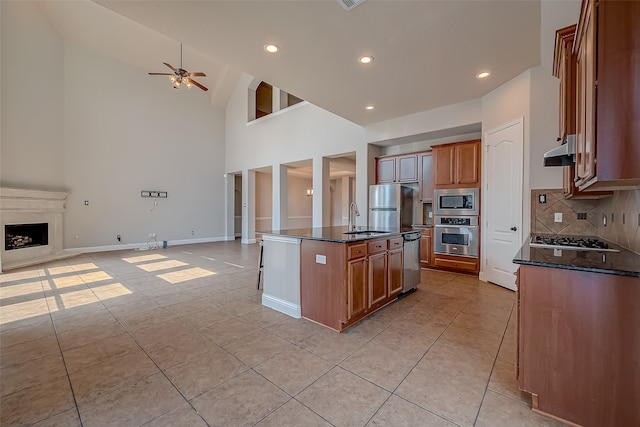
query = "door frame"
x=484 y=235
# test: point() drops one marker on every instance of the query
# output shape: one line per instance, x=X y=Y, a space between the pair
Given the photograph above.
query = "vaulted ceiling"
x=426 y=53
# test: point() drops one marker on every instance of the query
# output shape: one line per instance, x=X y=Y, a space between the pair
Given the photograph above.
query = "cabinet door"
x=357 y=297
x=407 y=168
x=386 y=170
x=395 y=266
x=585 y=76
x=466 y=164
x=443 y=158
x=426 y=177
x=377 y=278
x=426 y=247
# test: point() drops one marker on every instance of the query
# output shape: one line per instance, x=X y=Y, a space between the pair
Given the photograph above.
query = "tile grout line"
x=64 y=361
x=157 y=366
x=486 y=388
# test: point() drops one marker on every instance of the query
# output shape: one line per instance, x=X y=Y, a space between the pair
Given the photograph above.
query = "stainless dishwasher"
x=411 y=261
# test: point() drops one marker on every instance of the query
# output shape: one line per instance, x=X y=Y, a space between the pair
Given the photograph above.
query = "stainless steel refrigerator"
x=390 y=206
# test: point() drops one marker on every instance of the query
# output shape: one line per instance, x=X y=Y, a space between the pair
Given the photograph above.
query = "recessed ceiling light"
x=483 y=75
x=271 y=48
x=369 y=107
x=367 y=59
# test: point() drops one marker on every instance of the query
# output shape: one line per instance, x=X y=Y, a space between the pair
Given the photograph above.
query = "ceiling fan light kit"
x=181 y=76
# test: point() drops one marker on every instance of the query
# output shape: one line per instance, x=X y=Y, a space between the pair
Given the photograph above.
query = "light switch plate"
x=321 y=259
x=557 y=217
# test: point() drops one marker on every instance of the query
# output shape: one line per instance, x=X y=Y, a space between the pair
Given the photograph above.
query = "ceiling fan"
x=180 y=76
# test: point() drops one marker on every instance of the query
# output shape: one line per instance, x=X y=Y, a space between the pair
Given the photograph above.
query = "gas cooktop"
x=570 y=242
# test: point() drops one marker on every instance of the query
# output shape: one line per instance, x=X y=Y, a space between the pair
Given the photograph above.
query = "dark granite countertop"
x=623 y=263
x=336 y=234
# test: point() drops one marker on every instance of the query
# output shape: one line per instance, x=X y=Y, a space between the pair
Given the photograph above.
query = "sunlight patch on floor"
x=163 y=265
x=185 y=275
x=143 y=258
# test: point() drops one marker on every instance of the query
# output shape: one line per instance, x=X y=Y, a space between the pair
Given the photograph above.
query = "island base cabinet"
x=579 y=345
x=341 y=284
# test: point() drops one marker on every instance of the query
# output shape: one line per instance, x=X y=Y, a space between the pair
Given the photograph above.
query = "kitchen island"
x=331 y=275
x=579 y=334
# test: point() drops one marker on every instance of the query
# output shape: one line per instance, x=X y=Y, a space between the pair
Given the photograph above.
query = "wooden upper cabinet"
x=457 y=165
x=403 y=168
x=386 y=170
x=586 y=89
x=466 y=164
x=607 y=48
x=564 y=68
x=426 y=177
x=443 y=158
x=407 y=168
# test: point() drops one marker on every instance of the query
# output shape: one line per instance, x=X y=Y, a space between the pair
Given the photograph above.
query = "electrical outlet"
x=118 y=237
x=193 y=233
x=557 y=217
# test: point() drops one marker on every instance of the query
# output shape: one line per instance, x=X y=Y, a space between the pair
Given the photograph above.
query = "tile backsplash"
x=586 y=217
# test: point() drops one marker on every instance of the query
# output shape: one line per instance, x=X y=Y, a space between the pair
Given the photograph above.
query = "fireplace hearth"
x=32 y=222
x=17 y=236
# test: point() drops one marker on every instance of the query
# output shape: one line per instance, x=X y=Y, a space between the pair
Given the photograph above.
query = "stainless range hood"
x=563 y=155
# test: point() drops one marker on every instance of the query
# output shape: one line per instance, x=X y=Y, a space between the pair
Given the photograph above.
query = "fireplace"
x=17 y=236
x=32 y=221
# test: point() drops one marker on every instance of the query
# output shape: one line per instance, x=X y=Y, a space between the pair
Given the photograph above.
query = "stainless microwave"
x=456 y=201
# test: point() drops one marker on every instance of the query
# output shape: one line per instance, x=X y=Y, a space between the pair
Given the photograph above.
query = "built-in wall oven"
x=456 y=235
x=456 y=201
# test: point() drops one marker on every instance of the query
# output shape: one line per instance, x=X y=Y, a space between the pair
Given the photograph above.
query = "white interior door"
x=502 y=204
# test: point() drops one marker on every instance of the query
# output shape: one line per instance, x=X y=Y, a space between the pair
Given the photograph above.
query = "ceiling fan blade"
x=160 y=74
x=196 y=75
x=199 y=85
x=170 y=66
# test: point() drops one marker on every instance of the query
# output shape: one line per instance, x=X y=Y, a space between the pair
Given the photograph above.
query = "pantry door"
x=502 y=202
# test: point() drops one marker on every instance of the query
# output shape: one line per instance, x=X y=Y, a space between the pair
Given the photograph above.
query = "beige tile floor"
x=178 y=337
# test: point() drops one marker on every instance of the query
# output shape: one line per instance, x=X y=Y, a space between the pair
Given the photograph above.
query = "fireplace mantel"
x=22 y=206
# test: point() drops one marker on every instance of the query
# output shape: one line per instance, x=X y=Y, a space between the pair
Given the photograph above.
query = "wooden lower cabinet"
x=579 y=345
x=395 y=268
x=377 y=278
x=357 y=297
x=342 y=283
x=426 y=248
x=457 y=263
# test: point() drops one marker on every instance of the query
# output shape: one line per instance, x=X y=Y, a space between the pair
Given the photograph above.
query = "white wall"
x=78 y=121
x=32 y=153
x=126 y=132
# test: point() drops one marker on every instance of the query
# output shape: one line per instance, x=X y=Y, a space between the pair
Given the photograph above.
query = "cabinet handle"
x=514 y=228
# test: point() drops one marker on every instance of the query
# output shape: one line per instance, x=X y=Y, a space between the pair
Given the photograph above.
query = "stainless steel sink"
x=366 y=232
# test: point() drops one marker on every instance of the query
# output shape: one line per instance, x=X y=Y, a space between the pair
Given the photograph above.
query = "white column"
x=275 y=99
x=321 y=193
x=347 y=197
x=248 y=206
x=280 y=191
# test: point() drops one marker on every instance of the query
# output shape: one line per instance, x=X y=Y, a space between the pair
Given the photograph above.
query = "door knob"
x=514 y=228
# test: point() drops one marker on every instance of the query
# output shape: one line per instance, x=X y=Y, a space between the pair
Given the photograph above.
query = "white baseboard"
x=141 y=245
x=282 y=306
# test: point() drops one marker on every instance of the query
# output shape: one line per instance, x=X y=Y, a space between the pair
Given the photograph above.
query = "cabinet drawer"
x=356 y=251
x=377 y=246
x=396 y=243
x=457 y=264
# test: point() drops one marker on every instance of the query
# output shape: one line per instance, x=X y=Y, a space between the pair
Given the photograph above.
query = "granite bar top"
x=623 y=263
x=337 y=234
